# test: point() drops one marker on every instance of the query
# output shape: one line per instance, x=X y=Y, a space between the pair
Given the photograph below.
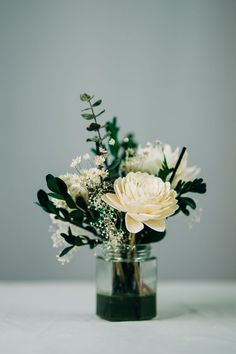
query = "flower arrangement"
x=121 y=194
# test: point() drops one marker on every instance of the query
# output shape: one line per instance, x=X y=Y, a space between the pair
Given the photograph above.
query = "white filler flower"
x=151 y=157
x=145 y=199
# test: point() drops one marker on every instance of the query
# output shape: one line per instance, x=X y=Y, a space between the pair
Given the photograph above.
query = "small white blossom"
x=126 y=140
x=86 y=157
x=112 y=142
x=59 y=203
x=76 y=161
x=102 y=150
x=151 y=157
x=92 y=176
x=99 y=160
x=195 y=217
x=58 y=241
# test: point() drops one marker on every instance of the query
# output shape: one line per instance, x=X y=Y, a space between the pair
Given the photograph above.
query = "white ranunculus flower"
x=150 y=159
x=145 y=199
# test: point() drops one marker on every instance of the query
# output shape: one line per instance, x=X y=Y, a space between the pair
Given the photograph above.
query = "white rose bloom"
x=150 y=159
x=145 y=199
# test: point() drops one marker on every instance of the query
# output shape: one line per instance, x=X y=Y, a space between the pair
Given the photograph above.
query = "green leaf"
x=71 y=239
x=195 y=186
x=56 y=196
x=97 y=103
x=79 y=241
x=81 y=202
x=100 y=113
x=56 y=185
x=93 y=127
x=188 y=201
x=76 y=214
x=42 y=198
x=85 y=97
x=94 y=139
x=165 y=170
x=87 y=116
x=114 y=164
x=65 y=251
x=148 y=235
x=69 y=201
x=52 y=183
x=46 y=204
x=64 y=213
x=86 y=109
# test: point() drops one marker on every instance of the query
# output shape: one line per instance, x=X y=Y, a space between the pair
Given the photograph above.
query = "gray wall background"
x=166 y=68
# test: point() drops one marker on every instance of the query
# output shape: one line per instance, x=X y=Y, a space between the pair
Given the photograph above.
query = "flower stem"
x=136 y=266
x=177 y=164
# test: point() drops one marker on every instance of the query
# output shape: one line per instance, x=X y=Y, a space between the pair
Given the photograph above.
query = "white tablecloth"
x=60 y=318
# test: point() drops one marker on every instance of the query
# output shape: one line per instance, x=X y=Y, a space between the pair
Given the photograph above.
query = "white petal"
x=157 y=225
x=132 y=225
x=112 y=200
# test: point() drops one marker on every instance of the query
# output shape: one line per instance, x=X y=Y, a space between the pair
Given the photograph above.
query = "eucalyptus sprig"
x=95 y=126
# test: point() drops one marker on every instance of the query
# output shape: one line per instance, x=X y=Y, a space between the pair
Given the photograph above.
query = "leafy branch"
x=80 y=240
x=79 y=215
x=195 y=186
x=98 y=139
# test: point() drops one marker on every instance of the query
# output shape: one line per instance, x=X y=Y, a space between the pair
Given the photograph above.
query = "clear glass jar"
x=126 y=282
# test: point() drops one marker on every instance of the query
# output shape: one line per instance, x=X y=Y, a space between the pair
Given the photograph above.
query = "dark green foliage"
x=65 y=251
x=56 y=196
x=43 y=198
x=129 y=144
x=45 y=203
x=195 y=186
x=165 y=170
x=78 y=241
x=112 y=129
x=93 y=127
x=148 y=235
x=97 y=103
x=56 y=185
x=81 y=203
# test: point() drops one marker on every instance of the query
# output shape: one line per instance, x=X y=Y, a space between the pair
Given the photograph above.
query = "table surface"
x=52 y=317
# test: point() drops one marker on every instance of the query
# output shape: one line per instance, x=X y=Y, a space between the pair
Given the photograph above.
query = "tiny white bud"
x=76 y=161
x=112 y=142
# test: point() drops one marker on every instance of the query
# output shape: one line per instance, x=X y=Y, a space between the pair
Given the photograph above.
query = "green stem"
x=99 y=134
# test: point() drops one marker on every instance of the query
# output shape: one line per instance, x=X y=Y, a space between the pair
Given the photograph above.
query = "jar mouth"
x=124 y=253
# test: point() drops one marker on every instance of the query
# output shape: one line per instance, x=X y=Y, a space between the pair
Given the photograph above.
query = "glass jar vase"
x=126 y=282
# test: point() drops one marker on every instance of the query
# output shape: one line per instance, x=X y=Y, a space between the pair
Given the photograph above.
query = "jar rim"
x=124 y=252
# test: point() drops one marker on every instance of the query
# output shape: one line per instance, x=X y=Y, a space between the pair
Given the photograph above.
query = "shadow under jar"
x=126 y=282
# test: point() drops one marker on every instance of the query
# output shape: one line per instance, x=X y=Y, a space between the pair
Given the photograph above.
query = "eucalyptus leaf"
x=97 y=103
x=100 y=113
x=85 y=97
x=94 y=127
x=87 y=116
